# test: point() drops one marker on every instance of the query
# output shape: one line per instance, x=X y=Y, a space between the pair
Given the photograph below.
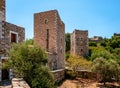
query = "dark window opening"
x=47 y=40
x=46 y=21
x=5 y=72
x=13 y=38
x=61 y=50
x=81 y=50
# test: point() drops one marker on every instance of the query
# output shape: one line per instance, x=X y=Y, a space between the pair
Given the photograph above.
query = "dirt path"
x=87 y=83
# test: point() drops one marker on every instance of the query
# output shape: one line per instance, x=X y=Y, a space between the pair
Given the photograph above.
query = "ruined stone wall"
x=2 y=10
x=60 y=42
x=2 y=15
x=79 y=42
x=7 y=28
x=49 y=34
x=59 y=75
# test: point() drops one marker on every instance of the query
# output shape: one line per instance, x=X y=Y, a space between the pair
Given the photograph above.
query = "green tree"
x=29 y=63
x=67 y=42
x=92 y=44
x=115 y=42
x=76 y=62
x=107 y=69
x=29 y=41
x=116 y=53
x=67 y=39
x=97 y=52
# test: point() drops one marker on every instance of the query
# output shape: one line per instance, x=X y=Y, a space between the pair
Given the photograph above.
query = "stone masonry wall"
x=8 y=32
x=2 y=10
x=42 y=22
x=59 y=75
x=5 y=40
x=60 y=43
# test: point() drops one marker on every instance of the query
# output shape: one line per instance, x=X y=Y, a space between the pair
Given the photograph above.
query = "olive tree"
x=107 y=69
x=29 y=62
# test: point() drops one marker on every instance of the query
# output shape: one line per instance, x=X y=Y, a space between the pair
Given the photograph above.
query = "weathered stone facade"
x=9 y=33
x=7 y=30
x=59 y=75
x=79 y=42
x=49 y=34
x=2 y=10
x=2 y=15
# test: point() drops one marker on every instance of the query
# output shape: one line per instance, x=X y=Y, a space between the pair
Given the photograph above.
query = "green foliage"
x=29 y=63
x=67 y=55
x=100 y=52
x=116 y=54
x=112 y=43
x=29 y=41
x=77 y=62
x=43 y=78
x=92 y=44
x=105 y=42
x=115 y=42
x=107 y=69
x=67 y=39
x=106 y=58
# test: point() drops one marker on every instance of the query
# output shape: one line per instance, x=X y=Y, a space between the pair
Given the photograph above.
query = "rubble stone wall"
x=7 y=28
x=59 y=75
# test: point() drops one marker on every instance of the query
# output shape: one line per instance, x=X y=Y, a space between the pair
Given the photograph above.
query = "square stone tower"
x=2 y=15
x=49 y=34
x=2 y=10
x=79 y=42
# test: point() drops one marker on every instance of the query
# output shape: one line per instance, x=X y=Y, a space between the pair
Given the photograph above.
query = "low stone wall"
x=87 y=74
x=59 y=74
x=19 y=83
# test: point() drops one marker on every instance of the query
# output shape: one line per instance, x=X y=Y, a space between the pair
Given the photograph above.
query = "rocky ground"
x=87 y=83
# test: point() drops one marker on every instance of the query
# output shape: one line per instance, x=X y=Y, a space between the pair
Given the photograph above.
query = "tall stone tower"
x=2 y=10
x=49 y=34
x=79 y=42
x=2 y=15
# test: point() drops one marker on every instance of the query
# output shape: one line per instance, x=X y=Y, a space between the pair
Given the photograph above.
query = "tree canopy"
x=107 y=69
x=30 y=63
x=77 y=63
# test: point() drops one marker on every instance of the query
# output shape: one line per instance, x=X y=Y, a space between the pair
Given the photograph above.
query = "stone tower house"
x=79 y=42
x=2 y=10
x=49 y=34
x=2 y=15
x=9 y=33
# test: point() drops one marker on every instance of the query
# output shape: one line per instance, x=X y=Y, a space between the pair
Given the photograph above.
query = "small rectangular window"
x=13 y=38
x=47 y=40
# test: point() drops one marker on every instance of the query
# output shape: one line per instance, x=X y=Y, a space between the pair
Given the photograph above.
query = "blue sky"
x=99 y=17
